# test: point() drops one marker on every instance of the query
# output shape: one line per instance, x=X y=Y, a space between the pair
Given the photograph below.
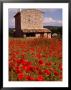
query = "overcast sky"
x=52 y=17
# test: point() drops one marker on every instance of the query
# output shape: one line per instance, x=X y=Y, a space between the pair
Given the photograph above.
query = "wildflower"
x=60 y=67
x=20 y=76
x=24 y=61
x=49 y=63
x=38 y=56
x=47 y=72
x=29 y=78
x=60 y=76
x=41 y=62
x=56 y=73
x=40 y=78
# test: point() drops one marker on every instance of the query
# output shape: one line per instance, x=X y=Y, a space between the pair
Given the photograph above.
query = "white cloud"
x=51 y=21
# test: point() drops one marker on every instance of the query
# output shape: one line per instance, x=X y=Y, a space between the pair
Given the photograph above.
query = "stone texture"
x=49 y=35
x=31 y=19
x=37 y=35
x=45 y=34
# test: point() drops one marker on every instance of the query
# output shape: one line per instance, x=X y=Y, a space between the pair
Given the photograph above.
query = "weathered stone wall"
x=49 y=35
x=45 y=34
x=37 y=35
x=31 y=19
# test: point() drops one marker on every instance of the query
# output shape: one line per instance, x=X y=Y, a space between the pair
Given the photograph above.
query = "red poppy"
x=20 y=76
x=56 y=73
x=29 y=68
x=40 y=78
x=38 y=56
x=29 y=78
x=32 y=49
x=49 y=63
x=18 y=61
x=29 y=63
x=60 y=67
x=17 y=69
x=41 y=62
x=24 y=61
x=24 y=67
x=60 y=76
x=47 y=72
x=40 y=72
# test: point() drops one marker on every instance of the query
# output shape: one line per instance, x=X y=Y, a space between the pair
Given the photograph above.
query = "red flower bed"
x=35 y=59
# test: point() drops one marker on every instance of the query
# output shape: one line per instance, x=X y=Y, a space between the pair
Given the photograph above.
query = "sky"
x=52 y=17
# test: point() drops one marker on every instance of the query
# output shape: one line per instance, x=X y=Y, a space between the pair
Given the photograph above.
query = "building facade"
x=29 y=22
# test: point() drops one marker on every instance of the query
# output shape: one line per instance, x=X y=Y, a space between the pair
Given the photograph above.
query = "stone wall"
x=45 y=34
x=31 y=19
x=37 y=35
x=49 y=35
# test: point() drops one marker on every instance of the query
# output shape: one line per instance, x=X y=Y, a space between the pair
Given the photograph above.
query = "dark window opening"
x=42 y=35
x=30 y=35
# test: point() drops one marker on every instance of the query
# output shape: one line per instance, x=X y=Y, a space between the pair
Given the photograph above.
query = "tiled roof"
x=36 y=30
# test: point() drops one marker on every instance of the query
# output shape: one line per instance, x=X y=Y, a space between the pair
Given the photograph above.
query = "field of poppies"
x=37 y=59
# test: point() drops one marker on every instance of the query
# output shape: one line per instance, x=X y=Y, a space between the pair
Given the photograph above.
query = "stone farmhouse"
x=29 y=23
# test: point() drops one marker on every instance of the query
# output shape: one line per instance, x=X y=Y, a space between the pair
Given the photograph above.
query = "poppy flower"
x=38 y=56
x=29 y=78
x=20 y=76
x=41 y=62
x=18 y=70
x=24 y=61
x=60 y=76
x=60 y=67
x=40 y=78
x=24 y=67
x=56 y=73
x=32 y=49
x=49 y=63
x=47 y=72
